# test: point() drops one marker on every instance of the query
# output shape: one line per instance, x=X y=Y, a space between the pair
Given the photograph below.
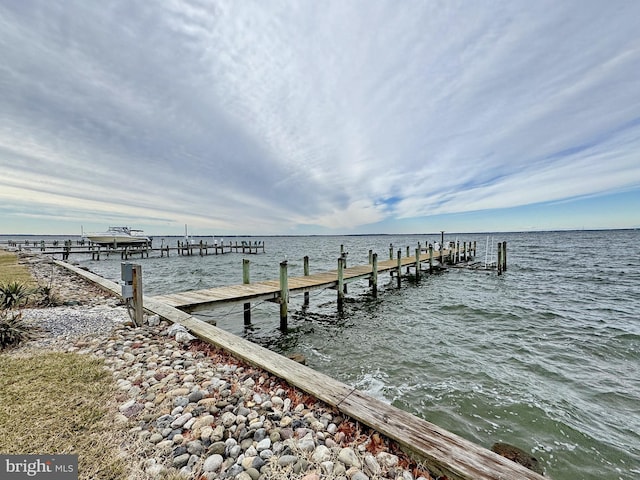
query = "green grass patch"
x=56 y=403
x=12 y=271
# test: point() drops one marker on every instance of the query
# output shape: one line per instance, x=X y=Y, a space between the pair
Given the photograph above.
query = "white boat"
x=118 y=236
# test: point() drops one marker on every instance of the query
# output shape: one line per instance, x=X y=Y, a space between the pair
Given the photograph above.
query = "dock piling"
x=344 y=265
x=306 y=274
x=399 y=266
x=137 y=295
x=246 y=281
x=408 y=255
x=341 y=285
x=374 y=275
x=430 y=258
x=284 y=295
x=504 y=255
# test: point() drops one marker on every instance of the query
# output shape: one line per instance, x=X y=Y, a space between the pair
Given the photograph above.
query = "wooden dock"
x=280 y=290
x=125 y=252
x=443 y=452
x=196 y=300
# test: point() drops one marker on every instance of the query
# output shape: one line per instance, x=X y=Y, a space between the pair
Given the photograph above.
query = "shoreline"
x=298 y=436
x=195 y=409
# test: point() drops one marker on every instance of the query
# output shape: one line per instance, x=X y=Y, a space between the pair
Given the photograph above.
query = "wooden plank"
x=103 y=283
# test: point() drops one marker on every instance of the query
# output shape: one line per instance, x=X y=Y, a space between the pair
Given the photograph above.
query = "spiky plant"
x=13 y=295
x=48 y=297
x=13 y=329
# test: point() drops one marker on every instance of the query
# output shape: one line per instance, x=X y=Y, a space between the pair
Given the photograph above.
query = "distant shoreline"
x=74 y=235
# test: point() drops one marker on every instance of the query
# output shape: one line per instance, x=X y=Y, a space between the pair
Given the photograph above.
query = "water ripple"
x=545 y=357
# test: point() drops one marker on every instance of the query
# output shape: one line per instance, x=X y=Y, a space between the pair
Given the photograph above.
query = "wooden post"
x=430 y=258
x=306 y=274
x=504 y=256
x=245 y=281
x=474 y=248
x=458 y=251
x=464 y=252
x=374 y=275
x=340 y=283
x=408 y=254
x=284 y=295
x=399 y=266
x=499 y=258
x=418 y=263
x=137 y=295
x=344 y=265
x=370 y=263
x=391 y=251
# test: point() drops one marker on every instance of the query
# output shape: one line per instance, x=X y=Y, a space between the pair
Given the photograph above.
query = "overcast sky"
x=306 y=116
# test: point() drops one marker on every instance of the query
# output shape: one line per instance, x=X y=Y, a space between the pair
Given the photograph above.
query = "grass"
x=56 y=403
x=12 y=271
x=60 y=403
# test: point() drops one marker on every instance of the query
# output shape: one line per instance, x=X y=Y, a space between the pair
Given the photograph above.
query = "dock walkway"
x=196 y=300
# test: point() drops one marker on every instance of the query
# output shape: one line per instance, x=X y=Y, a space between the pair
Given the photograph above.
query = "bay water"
x=545 y=357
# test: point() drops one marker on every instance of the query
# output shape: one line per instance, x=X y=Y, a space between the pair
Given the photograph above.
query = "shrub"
x=13 y=329
x=13 y=295
x=48 y=298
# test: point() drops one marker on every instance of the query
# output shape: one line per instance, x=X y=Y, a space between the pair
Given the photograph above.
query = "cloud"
x=269 y=117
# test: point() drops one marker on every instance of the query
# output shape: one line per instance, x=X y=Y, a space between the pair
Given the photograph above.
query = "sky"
x=319 y=117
